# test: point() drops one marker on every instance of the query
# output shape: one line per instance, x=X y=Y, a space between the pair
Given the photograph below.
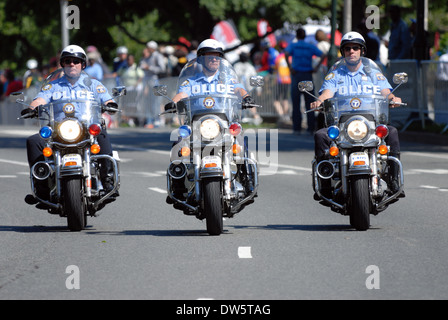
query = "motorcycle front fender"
x=207 y=173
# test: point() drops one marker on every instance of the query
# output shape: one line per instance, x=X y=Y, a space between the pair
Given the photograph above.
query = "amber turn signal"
x=185 y=151
x=382 y=149
x=47 y=152
x=95 y=148
x=334 y=151
x=236 y=148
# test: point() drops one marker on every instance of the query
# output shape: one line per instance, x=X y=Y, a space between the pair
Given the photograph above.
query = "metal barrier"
x=409 y=92
x=436 y=93
x=427 y=97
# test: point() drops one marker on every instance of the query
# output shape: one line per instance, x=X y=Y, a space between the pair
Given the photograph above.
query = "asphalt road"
x=284 y=246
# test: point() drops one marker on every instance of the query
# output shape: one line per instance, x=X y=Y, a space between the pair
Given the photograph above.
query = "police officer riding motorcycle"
x=357 y=169
x=212 y=174
x=74 y=172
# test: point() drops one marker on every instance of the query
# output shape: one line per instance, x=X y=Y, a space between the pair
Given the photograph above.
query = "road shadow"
x=154 y=233
x=33 y=229
x=297 y=227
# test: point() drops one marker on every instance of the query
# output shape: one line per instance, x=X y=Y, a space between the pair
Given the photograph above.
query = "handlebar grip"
x=250 y=105
x=398 y=103
x=109 y=109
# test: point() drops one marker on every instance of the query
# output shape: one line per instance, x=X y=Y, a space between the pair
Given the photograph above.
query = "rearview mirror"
x=256 y=81
x=119 y=91
x=161 y=91
x=305 y=86
x=400 y=78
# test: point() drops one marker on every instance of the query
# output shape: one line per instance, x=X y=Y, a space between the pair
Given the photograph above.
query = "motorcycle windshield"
x=212 y=87
x=83 y=107
x=375 y=105
x=353 y=103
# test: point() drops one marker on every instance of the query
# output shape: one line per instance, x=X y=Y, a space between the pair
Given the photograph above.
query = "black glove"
x=170 y=106
x=248 y=101
x=111 y=107
x=29 y=113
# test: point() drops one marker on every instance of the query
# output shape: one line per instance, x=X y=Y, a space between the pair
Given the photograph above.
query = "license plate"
x=211 y=162
x=71 y=160
x=359 y=159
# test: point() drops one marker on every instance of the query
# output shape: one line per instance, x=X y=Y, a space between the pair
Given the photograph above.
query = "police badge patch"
x=209 y=102
x=68 y=109
x=355 y=103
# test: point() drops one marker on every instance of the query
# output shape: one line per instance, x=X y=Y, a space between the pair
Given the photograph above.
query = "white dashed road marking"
x=244 y=252
x=159 y=190
x=19 y=163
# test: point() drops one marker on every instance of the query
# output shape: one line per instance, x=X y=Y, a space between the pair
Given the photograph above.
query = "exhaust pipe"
x=177 y=170
x=42 y=170
x=325 y=169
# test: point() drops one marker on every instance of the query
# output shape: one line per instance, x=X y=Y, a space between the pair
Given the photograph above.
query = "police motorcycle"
x=211 y=174
x=353 y=179
x=71 y=166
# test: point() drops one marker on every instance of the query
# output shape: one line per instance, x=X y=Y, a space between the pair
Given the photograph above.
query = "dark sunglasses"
x=69 y=61
x=210 y=57
x=355 y=48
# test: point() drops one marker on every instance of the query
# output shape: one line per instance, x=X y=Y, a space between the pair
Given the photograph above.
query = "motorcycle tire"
x=360 y=203
x=213 y=205
x=73 y=204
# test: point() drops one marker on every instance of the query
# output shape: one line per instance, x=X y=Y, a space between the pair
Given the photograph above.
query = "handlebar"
x=390 y=103
x=397 y=103
x=315 y=109
x=110 y=109
x=250 y=105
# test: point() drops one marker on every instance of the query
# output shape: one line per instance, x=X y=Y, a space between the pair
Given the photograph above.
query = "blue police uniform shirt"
x=203 y=85
x=342 y=82
x=302 y=54
x=85 y=88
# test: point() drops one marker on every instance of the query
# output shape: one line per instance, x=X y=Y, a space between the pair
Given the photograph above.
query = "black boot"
x=107 y=177
x=325 y=184
x=42 y=191
x=394 y=176
x=178 y=188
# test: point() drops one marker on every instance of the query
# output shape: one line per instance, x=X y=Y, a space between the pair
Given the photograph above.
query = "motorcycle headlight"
x=210 y=129
x=70 y=130
x=357 y=130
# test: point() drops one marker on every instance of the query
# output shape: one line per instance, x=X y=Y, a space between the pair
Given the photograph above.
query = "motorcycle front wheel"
x=360 y=203
x=213 y=205
x=73 y=204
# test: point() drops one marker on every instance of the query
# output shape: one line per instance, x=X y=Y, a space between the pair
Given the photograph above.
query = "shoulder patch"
x=100 y=89
x=380 y=76
x=46 y=87
x=329 y=76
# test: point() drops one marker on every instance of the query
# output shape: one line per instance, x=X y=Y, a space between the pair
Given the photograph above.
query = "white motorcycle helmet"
x=353 y=37
x=210 y=45
x=74 y=51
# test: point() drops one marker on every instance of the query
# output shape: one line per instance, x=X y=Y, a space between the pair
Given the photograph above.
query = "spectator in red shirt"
x=10 y=84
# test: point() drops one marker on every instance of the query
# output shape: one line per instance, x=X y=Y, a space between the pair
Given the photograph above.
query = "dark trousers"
x=35 y=144
x=296 y=102
x=322 y=142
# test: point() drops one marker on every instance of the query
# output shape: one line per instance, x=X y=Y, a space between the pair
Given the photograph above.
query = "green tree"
x=33 y=28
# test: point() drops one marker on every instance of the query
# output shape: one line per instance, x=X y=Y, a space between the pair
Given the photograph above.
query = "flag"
x=263 y=28
x=226 y=33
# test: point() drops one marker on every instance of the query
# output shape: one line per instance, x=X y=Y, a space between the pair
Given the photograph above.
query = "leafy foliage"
x=32 y=29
